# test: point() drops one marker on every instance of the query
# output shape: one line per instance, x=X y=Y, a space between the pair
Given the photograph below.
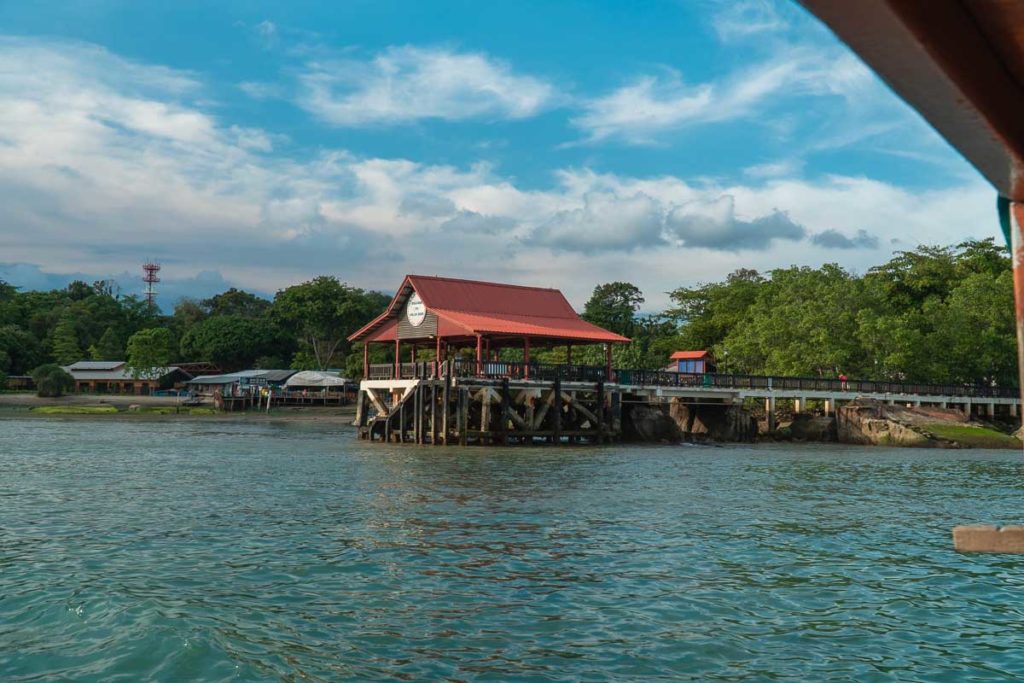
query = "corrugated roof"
x=121 y=373
x=232 y=377
x=492 y=308
x=689 y=355
x=96 y=365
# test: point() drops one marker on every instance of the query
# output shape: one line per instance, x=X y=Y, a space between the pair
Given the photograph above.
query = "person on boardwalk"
x=842 y=381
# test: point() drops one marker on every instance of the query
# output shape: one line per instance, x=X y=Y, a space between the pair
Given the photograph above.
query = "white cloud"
x=740 y=19
x=103 y=164
x=650 y=106
x=405 y=84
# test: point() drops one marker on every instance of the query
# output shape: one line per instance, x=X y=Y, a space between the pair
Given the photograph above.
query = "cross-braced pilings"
x=483 y=411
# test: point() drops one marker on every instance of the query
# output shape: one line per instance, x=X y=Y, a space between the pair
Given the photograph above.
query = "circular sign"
x=415 y=311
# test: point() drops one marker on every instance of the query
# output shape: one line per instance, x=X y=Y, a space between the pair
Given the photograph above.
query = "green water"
x=220 y=551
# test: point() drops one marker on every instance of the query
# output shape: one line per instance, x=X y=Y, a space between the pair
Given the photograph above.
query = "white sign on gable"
x=415 y=311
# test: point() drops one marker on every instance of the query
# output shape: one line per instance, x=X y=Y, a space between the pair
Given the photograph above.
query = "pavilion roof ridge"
x=482 y=282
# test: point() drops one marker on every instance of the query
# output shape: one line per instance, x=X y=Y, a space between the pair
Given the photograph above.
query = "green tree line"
x=935 y=314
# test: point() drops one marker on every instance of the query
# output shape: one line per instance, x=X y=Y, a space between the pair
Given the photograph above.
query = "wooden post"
x=401 y=421
x=479 y=355
x=462 y=417
x=398 y=359
x=608 y=360
x=366 y=360
x=437 y=358
x=556 y=423
x=617 y=414
x=526 y=358
x=418 y=415
x=599 y=412
x=433 y=412
x=504 y=411
x=485 y=416
x=445 y=399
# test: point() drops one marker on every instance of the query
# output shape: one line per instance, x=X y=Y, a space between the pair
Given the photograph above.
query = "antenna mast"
x=151 y=269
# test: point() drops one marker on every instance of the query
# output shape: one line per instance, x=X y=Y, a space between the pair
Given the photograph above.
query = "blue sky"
x=556 y=143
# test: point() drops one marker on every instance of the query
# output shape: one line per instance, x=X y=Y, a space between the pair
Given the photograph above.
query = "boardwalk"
x=464 y=402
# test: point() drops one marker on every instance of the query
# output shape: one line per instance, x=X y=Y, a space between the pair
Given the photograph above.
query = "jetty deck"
x=507 y=403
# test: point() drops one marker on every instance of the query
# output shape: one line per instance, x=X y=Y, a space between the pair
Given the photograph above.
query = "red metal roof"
x=470 y=307
x=689 y=355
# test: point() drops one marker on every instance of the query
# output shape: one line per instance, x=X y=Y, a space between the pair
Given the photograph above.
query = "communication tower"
x=151 y=268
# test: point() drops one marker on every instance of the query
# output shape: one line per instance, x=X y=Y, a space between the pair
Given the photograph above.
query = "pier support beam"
x=769 y=409
x=1013 y=410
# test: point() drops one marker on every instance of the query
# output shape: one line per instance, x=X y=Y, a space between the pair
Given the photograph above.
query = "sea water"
x=215 y=550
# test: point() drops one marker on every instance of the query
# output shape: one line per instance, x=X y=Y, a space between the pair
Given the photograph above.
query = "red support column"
x=398 y=359
x=608 y=359
x=479 y=354
x=366 y=360
x=526 y=357
x=1017 y=250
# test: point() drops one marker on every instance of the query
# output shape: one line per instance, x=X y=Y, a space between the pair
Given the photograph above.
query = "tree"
x=52 y=380
x=233 y=342
x=323 y=312
x=108 y=347
x=236 y=302
x=148 y=349
x=64 y=344
x=21 y=349
x=613 y=306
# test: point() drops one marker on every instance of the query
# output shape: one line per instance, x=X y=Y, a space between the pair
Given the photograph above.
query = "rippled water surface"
x=215 y=550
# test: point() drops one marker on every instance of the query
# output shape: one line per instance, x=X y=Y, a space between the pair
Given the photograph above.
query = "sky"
x=558 y=143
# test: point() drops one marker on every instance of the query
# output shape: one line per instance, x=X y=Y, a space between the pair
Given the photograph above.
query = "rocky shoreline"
x=863 y=422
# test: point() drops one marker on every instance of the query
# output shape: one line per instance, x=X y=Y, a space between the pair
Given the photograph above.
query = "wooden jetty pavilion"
x=467 y=392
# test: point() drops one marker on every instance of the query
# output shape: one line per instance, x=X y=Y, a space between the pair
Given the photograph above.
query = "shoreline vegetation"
x=115 y=406
x=931 y=315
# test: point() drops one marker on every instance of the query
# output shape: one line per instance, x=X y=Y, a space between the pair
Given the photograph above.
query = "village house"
x=115 y=377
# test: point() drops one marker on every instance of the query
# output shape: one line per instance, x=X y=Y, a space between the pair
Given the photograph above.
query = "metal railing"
x=664 y=378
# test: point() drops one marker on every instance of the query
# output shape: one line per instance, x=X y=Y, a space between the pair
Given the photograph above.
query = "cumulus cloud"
x=105 y=161
x=405 y=84
x=714 y=225
x=833 y=239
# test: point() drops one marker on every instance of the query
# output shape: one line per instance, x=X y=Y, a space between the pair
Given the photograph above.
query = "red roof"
x=468 y=308
x=690 y=355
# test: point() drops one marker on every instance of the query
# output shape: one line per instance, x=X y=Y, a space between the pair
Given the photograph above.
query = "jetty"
x=467 y=394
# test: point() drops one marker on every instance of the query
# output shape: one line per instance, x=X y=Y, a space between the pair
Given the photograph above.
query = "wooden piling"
x=433 y=413
x=445 y=399
x=462 y=417
x=556 y=421
x=504 y=411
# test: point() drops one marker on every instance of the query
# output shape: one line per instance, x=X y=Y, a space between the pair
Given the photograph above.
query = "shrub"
x=52 y=380
x=3 y=380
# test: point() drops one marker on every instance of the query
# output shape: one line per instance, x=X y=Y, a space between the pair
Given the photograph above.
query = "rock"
x=134 y=408
x=808 y=427
x=872 y=422
x=650 y=423
x=715 y=422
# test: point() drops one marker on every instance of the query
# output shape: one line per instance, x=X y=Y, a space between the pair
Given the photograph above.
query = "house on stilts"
x=462 y=370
